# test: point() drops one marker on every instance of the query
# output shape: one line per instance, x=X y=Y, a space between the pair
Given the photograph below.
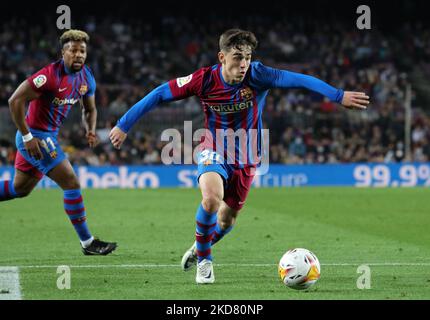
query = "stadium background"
x=132 y=50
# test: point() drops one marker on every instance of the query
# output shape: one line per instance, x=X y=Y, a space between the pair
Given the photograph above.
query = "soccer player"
x=51 y=93
x=232 y=95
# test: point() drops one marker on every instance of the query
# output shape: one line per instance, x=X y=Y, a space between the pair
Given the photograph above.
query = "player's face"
x=74 y=55
x=235 y=63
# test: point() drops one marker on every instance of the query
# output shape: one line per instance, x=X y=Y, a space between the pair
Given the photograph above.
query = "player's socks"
x=219 y=233
x=75 y=209
x=7 y=191
x=205 y=225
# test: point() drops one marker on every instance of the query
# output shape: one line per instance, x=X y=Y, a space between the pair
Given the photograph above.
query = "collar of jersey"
x=67 y=70
x=228 y=84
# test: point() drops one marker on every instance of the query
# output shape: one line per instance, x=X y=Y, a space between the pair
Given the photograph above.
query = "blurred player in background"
x=51 y=93
x=232 y=94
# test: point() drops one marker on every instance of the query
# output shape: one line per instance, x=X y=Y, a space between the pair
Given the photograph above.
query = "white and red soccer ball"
x=299 y=269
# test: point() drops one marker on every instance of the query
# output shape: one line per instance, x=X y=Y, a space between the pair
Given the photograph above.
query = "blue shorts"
x=53 y=155
x=210 y=161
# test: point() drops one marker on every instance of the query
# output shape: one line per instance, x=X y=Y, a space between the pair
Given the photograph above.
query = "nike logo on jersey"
x=62 y=89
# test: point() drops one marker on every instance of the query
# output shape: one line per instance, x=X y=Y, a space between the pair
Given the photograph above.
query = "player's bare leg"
x=235 y=194
x=66 y=178
x=212 y=189
x=226 y=220
x=23 y=184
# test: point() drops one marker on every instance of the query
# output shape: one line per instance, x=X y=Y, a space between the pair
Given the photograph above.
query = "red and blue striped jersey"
x=60 y=89
x=230 y=110
x=236 y=107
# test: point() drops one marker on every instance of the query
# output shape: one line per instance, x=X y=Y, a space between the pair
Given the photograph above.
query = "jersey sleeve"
x=267 y=77
x=175 y=89
x=159 y=95
x=43 y=80
x=188 y=86
x=91 y=83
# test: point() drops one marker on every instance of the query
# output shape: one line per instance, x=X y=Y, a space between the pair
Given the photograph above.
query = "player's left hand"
x=355 y=100
x=92 y=139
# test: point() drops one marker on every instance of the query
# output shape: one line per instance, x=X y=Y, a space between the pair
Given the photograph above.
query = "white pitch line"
x=9 y=284
x=131 y=266
x=387 y=264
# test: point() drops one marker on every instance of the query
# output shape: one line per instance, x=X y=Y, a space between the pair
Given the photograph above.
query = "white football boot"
x=205 y=272
x=189 y=259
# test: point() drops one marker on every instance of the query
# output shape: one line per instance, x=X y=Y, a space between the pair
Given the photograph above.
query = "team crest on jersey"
x=208 y=162
x=184 y=80
x=83 y=89
x=246 y=93
x=39 y=81
x=53 y=154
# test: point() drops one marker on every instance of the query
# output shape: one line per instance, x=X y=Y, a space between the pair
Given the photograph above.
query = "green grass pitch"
x=386 y=229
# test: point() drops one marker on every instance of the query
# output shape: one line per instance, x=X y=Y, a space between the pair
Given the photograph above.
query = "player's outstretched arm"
x=275 y=78
x=159 y=95
x=175 y=89
x=17 y=102
x=348 y=99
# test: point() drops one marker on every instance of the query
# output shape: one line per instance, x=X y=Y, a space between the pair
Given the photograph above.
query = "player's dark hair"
x=237 y=38
x=74 y=35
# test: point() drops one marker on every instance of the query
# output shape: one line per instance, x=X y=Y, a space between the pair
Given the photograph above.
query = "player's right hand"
x=33 y=148
x=117 y=137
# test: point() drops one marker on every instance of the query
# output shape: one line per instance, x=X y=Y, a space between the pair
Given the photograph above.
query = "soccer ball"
x=299 y=269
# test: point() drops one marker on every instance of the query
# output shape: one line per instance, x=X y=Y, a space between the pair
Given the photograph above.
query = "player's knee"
x=211 y=203
x=22 y=189
x=72 y=184
x=22 y=192
x=225 y=223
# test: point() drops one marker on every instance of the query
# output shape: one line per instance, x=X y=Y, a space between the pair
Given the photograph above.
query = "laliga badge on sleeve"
x=39 y=81
x=184 y=80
